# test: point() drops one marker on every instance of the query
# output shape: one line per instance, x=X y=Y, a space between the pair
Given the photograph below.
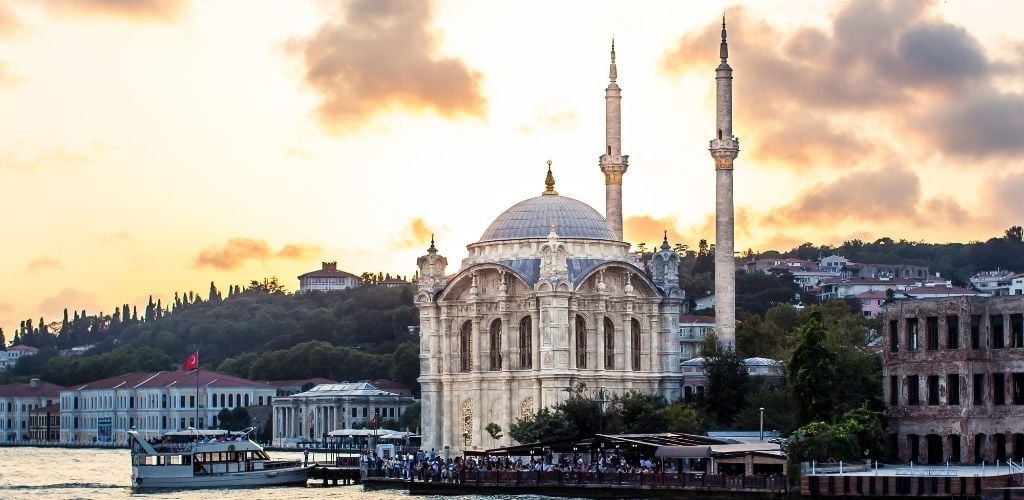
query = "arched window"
x=526 y=343
x=466 y=347
x=496 y=345
x=609 y=344
x=581 y=342
x=634 y=343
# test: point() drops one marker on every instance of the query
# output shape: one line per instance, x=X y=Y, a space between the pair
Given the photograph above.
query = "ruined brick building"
x=953 y=373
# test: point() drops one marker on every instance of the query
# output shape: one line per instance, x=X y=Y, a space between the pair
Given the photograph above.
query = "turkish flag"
x=191 y=362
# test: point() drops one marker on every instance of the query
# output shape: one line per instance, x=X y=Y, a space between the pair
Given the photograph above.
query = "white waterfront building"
x=17 y=402
x=153 y=403
x=329 y=407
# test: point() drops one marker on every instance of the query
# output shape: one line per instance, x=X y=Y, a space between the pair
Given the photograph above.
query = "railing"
x=512 y=478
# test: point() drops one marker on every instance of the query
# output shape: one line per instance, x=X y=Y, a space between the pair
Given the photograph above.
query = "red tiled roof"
x=43 y=389
x=322 y=273
x=22 y=348
x=874 y=294
x=51 y=408
x=168 y=379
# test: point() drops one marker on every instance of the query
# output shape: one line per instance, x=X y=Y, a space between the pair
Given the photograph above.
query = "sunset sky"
x=152 y=146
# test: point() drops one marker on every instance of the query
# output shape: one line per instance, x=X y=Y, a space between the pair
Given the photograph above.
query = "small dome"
x=532 y=219
x=761 y=362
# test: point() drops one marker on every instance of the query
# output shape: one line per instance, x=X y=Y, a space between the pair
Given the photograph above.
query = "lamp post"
x=761 y=410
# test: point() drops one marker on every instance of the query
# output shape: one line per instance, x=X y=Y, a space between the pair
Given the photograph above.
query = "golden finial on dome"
x=549 y=182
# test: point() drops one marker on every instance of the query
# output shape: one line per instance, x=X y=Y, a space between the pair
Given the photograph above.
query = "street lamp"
x=761 y=409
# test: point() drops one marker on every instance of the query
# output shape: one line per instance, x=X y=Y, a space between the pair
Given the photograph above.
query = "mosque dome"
x=532 y=218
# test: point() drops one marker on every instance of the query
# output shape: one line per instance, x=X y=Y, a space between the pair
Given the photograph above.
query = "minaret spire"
x=723 y=50
x=613 y=163
x=613 y=72
x=724 y=149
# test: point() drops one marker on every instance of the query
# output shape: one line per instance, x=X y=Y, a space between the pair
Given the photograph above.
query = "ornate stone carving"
x=628 y=288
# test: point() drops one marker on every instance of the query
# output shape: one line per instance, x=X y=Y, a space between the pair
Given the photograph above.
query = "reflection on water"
x=104 y=474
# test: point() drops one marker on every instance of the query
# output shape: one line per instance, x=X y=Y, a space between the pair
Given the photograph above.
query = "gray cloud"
x=383 y=57
x=984 y=123
x=802 y=95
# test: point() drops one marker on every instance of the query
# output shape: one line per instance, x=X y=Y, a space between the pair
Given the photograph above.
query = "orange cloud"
x=238 y=251
x=383 y=58
x=139 y=10
x=298 y=251
x=10 y=24
x=68 y=298
x=417 y=234
x=45 y=263
x=651 y=230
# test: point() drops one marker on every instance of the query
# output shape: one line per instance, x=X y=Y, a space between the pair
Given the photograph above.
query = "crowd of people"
x=431 y=467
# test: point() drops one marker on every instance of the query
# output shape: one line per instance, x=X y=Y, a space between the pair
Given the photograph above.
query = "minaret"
x=724 y=149
x=613 y=163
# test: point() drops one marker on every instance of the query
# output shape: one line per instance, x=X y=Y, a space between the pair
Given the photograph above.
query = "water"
x=104 y=474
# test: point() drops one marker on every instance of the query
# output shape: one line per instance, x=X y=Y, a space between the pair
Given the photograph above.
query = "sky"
x=149 y=147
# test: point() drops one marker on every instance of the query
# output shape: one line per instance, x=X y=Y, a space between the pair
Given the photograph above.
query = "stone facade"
x=497 y=344
x=549 y=298
x=953 y=375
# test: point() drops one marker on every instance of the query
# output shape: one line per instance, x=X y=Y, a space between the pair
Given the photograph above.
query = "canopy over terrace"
x=644 y=444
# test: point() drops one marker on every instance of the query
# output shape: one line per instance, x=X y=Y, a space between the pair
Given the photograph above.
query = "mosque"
x=551 y=297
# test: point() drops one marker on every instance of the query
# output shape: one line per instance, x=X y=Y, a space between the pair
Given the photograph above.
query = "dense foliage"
x=585 y=413
x=259 y=332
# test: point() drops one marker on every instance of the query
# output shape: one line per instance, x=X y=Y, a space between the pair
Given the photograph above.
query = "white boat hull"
x=260 y=478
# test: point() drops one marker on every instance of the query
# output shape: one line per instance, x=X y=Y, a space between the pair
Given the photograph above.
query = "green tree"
x=410 y=419
x=682 y=417
x=542 y=426
x=810 y=373
x=639 y=413
x=726 y=381
x=405 y=364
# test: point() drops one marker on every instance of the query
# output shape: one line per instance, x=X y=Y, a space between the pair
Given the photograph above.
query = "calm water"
x=80 y=473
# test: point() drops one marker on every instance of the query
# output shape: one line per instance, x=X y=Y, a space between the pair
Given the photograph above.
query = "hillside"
x=260 y=332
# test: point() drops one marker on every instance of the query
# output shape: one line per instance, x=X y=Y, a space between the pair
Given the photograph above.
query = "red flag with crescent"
x=191 y=362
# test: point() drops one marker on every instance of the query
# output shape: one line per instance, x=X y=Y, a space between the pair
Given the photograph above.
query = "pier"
x=330 y=475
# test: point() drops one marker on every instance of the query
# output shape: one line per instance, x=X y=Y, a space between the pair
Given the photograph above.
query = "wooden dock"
x=330 y=475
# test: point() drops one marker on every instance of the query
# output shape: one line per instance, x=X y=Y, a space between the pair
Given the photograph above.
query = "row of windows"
x=526 y=345
x=9 y=406
x=150 y=401
x=978 y=380
x=933 y=336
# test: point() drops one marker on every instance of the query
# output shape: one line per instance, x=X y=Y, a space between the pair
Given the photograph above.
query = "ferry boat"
x=208 y=458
